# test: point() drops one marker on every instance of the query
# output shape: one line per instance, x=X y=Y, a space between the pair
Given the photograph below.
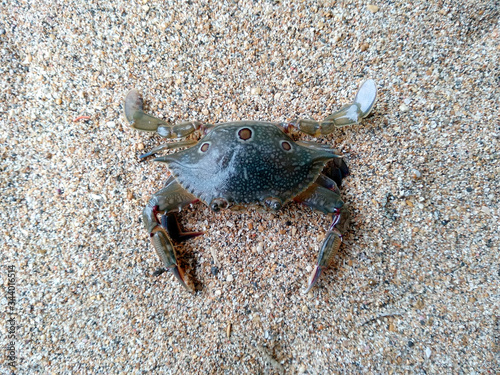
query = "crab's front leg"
x=141 y=121
x=171 y=198
x=349 y=114
x=327 y=200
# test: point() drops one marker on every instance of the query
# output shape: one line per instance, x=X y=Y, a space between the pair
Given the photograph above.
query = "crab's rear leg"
x=141 y=121
x=171 y=197
x=323 y=196
x=349 y=114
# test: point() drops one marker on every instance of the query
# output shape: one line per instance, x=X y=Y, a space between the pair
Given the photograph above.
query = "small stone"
x=255 y=90
x=392 y=327
x=214 y=270
x=320 y=25
x=364 y=46
x=214 y=256
x=372 y=8
x=260 y=247
x=130 y=195
x=399 y=64
x=250 y=225
x=419 y=304
x=404 y=108
x=229 y=278
x=58 y=101
x=218 y=292
x=140 y=146
x=337 y=37
x=305 y=309
x=110 y=124
x=294 y=231
x=415 y=174
x=428 y=352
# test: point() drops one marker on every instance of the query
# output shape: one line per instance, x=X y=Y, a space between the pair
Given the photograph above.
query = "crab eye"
x=286 y=145
x=204 y=147
x=245 y=134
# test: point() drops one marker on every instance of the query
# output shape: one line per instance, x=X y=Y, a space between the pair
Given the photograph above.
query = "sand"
x=415 y=288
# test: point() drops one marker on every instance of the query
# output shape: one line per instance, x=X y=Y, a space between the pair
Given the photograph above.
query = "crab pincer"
x=165 y=202
x=165 y=251
x=348 y=114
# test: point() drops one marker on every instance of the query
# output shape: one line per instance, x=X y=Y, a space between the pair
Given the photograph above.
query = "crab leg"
x=171 y=197
x=321 y=198
x=324 y=196
x=168 y=146
x=328 y=183
x=329 y=249
x=336 y=169
x=170 y=223
x=142 y=121
x=349 y=114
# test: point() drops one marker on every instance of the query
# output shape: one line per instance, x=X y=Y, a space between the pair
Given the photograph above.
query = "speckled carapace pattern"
x=415 y=288
x=247 y=169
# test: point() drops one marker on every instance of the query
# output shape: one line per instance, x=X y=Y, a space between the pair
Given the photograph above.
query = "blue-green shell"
x=246 y=167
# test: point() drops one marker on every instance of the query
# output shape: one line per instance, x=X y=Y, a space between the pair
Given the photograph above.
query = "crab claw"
x=179 y=275
x=134 y=114
x=166 y=252
x=314 y=278
x=170 y=223
x=327 y=252
x=360 y=108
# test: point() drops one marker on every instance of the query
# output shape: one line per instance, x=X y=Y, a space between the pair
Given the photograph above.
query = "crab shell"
x=247 y=163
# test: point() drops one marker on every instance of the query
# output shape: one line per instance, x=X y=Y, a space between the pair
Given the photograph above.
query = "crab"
x=243 y=164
